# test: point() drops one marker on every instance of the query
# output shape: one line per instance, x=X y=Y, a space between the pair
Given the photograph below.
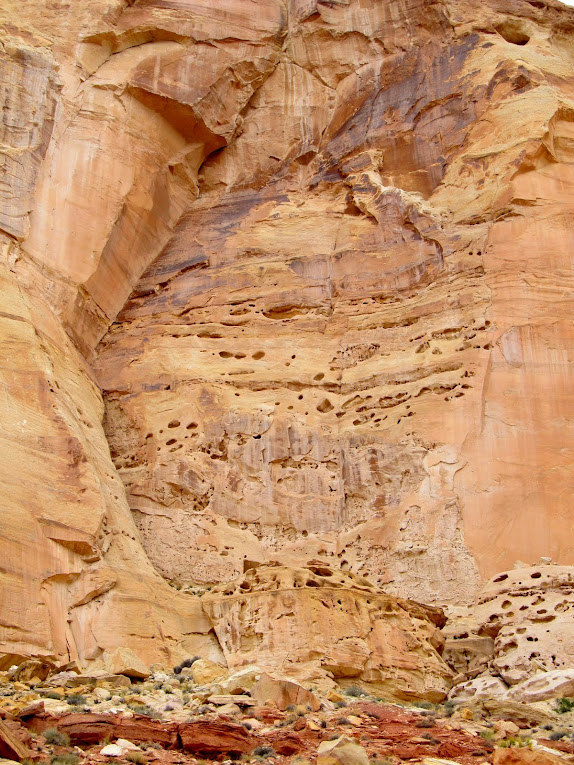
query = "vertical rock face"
x=316 y=255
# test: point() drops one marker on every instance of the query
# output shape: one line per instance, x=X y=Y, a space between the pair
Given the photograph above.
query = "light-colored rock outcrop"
x=528 y=611
x=316 y=622
x=341 y=751
x=318 y=259
x=516 y=643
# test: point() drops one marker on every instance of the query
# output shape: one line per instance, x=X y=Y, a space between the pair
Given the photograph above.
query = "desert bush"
x=263 y=751
x=355 y=691
x=53 y=736
x=185 y=663
x=64 y=759
x=76 y=700
x=564 y=705
x=136 y=757
x=557 y=735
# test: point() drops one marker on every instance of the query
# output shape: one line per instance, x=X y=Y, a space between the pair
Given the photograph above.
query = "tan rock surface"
x=340 y=364
x=524 y=756
x=316 y=621
x=341 y=751
x=328 y=249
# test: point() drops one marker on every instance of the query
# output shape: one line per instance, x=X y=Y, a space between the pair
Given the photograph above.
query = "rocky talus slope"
x=286 y=338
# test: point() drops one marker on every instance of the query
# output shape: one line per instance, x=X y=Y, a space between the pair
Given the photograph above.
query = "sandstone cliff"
x=281 y=281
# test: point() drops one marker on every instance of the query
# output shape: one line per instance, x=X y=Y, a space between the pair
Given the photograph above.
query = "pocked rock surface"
x=311 y=267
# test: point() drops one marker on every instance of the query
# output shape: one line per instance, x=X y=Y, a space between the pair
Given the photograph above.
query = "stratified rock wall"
x=346 y=349
x=317 y=256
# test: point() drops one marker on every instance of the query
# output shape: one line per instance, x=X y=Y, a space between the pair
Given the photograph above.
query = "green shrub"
x=564 y=705
x=512 y=742
x=53 y=736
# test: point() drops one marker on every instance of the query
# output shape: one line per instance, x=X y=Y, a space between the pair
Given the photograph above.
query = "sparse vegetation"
x=143 y=709
x=264 y=751
x=53 y=736
x=557 y=735
x=355 y=691
x=184 y=664
x=564 y=705
x=152 y=745
x=76 y=700
x=426 y=722
x=512 y=741
x=65 y=759
x=136 y=757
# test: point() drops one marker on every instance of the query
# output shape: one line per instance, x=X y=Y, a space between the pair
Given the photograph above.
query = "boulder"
x=484 y=687
x=33 y=668
x=524 y=715
x=341 y=751
x=524 y=756
x=11 y=747
x=205 y=672
x=505 y=728
x=288 y=744
x=127 y=746
x=123 y=661
x=112 y=750
x=546 y=685
x=241 y=681
x=240 y=699
x=318 y=620
x=211 y=739
x=527 y=611
x=283 y=692
x=90 y=729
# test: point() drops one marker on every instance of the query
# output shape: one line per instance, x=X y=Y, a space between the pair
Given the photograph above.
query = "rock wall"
x=317 y=258
x=355 y=345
